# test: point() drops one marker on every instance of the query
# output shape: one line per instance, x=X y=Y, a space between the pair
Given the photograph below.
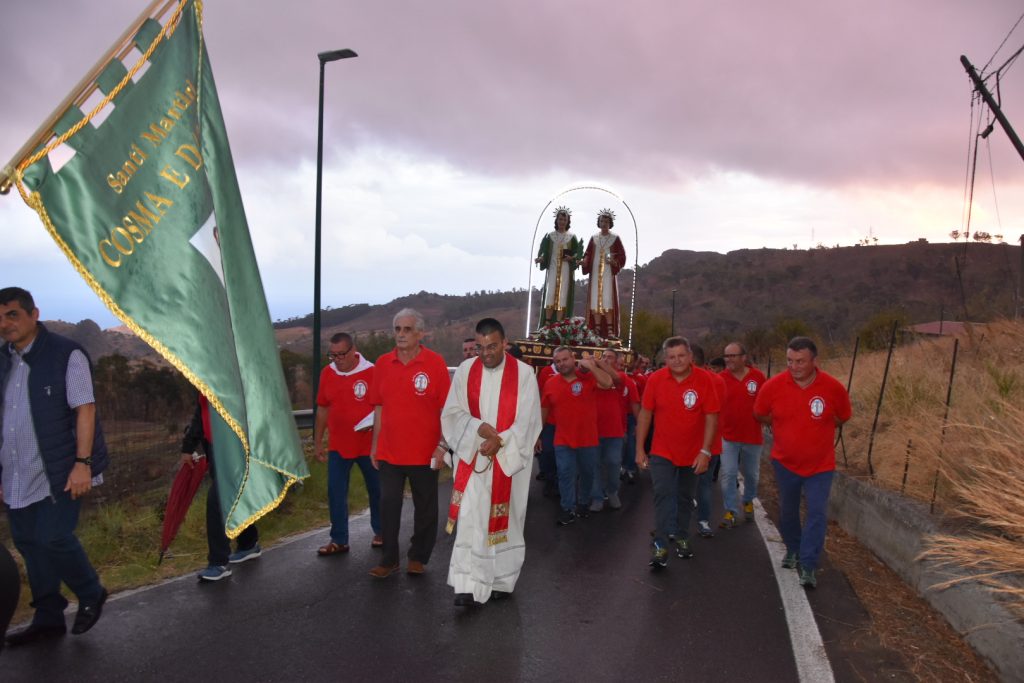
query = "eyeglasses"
x=338 y=356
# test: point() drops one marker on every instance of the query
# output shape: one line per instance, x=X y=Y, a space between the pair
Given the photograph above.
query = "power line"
x=1014 y=28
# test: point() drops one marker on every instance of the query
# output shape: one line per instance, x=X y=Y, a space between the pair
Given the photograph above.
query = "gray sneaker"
x=807 y=578
x=596 y=505
x=215 y=572
x=613 y=501
x=245 y=555
x=790 y=561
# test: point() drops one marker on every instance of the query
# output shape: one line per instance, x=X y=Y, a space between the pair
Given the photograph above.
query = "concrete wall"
x=894 y=528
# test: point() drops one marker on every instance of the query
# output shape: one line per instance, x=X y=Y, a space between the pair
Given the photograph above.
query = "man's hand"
x=492 y=442
x=319 y=453
x=186 y=459
x=438 y=459
x=641 y=458
x=80 y=480
x=700 y=465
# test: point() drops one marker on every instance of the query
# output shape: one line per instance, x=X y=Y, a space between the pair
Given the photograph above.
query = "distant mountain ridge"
x=833 y=290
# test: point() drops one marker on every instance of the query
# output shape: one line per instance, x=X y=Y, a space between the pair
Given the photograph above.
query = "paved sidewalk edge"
x=812 y=663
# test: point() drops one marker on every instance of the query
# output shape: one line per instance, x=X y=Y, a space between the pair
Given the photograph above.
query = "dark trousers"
x=44 y=534
x=216 y=539
x=674 y=488
x=806 y=541
x=423 y=483
x=547 y=454
x=10 y=589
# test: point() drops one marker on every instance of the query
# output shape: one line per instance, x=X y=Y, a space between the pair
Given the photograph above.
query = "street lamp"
x=673 y=312
x=324 y=57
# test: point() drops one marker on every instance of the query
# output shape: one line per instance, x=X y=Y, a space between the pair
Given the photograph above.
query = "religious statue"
x=560 y=254
x=603 y=260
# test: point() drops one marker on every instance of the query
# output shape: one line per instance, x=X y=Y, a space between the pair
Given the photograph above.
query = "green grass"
x=122 y=538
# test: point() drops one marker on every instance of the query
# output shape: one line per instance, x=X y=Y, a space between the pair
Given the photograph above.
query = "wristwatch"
x=85 y=461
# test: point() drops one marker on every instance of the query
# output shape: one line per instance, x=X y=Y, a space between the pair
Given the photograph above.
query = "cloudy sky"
x=723 y=125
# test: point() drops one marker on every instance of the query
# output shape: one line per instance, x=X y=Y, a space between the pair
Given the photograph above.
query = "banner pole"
x=45 y=130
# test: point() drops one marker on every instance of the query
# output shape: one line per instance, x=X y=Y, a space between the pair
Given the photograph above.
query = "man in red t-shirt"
x=706 y=480
x=343 y=401
x=410 y=385
x=611 y=433
x=803 y=406
x=741 y=433
x=682 y=399
x=571 y=398
x=548 y=469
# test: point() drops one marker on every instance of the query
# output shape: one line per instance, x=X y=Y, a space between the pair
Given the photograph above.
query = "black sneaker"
x=659 y=556
x=582 y=511
x=683 y=549
x=566 y=517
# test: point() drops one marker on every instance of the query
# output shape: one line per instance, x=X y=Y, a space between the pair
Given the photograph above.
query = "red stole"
x=501 y=483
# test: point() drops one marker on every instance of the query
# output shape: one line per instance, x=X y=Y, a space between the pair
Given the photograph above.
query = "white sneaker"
x=596 y=506
x=613 y=501
x=704 y=529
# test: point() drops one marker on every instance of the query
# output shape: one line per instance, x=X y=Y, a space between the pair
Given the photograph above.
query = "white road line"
x=812 y=663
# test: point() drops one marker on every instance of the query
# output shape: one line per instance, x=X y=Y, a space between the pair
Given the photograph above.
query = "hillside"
x=834 y=291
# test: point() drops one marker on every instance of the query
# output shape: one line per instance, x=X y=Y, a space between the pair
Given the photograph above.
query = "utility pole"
x=993 y=105
x=979 y=85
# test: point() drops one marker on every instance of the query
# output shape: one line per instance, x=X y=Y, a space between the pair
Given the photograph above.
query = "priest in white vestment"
x=491 y=421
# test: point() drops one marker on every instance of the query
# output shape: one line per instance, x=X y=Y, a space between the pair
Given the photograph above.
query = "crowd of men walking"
x=593 y=425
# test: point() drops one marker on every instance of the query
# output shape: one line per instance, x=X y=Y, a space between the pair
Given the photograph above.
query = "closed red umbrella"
x=183 y=490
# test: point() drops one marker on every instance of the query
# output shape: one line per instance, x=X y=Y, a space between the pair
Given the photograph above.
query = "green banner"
x=149 y=212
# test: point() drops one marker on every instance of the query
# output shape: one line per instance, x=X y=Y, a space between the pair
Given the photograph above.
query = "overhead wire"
x=992 y=176
x=1012 y=29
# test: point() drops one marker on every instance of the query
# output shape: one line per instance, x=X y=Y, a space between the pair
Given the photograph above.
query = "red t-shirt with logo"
x=641 y=381
x=347 y=399
x=716 y=443
x=543 y=375
x=611 y=421
x=411 y=397
x=573 y=405
x=629 y=394
x=679 y=409
x=804 y=420
x=737 y=418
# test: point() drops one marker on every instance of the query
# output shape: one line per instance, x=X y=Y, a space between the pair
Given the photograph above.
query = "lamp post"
x=673 y=312
x=324 y=57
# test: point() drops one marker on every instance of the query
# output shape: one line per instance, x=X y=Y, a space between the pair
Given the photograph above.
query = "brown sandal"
x=377 y=542
x=331 y=548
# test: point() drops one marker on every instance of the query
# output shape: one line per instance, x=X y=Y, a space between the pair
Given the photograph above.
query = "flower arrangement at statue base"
x=569 y=332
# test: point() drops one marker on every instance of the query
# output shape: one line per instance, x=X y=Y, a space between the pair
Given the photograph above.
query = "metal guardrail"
x=303 y=418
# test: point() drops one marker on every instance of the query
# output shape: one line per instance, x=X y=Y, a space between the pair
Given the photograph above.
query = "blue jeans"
x=673 y=498
x=629 y=446
x=737 y=456
x=606 y=473
x=704 y=486
x=807 y=542
x=44 y=534
x=338 y=471
x=573 y=462
x=547 y=454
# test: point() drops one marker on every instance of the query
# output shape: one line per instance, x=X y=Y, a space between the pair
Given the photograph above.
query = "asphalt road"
x=587 y=608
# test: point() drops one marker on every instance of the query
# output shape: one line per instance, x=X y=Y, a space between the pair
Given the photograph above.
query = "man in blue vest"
x=51 y=453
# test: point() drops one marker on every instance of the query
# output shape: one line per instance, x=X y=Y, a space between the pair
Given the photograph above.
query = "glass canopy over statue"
x=559 y=255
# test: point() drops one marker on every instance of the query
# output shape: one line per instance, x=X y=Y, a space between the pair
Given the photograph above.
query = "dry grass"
x=971 y=463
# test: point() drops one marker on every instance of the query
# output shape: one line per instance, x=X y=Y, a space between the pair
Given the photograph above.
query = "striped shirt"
x=24 y=473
